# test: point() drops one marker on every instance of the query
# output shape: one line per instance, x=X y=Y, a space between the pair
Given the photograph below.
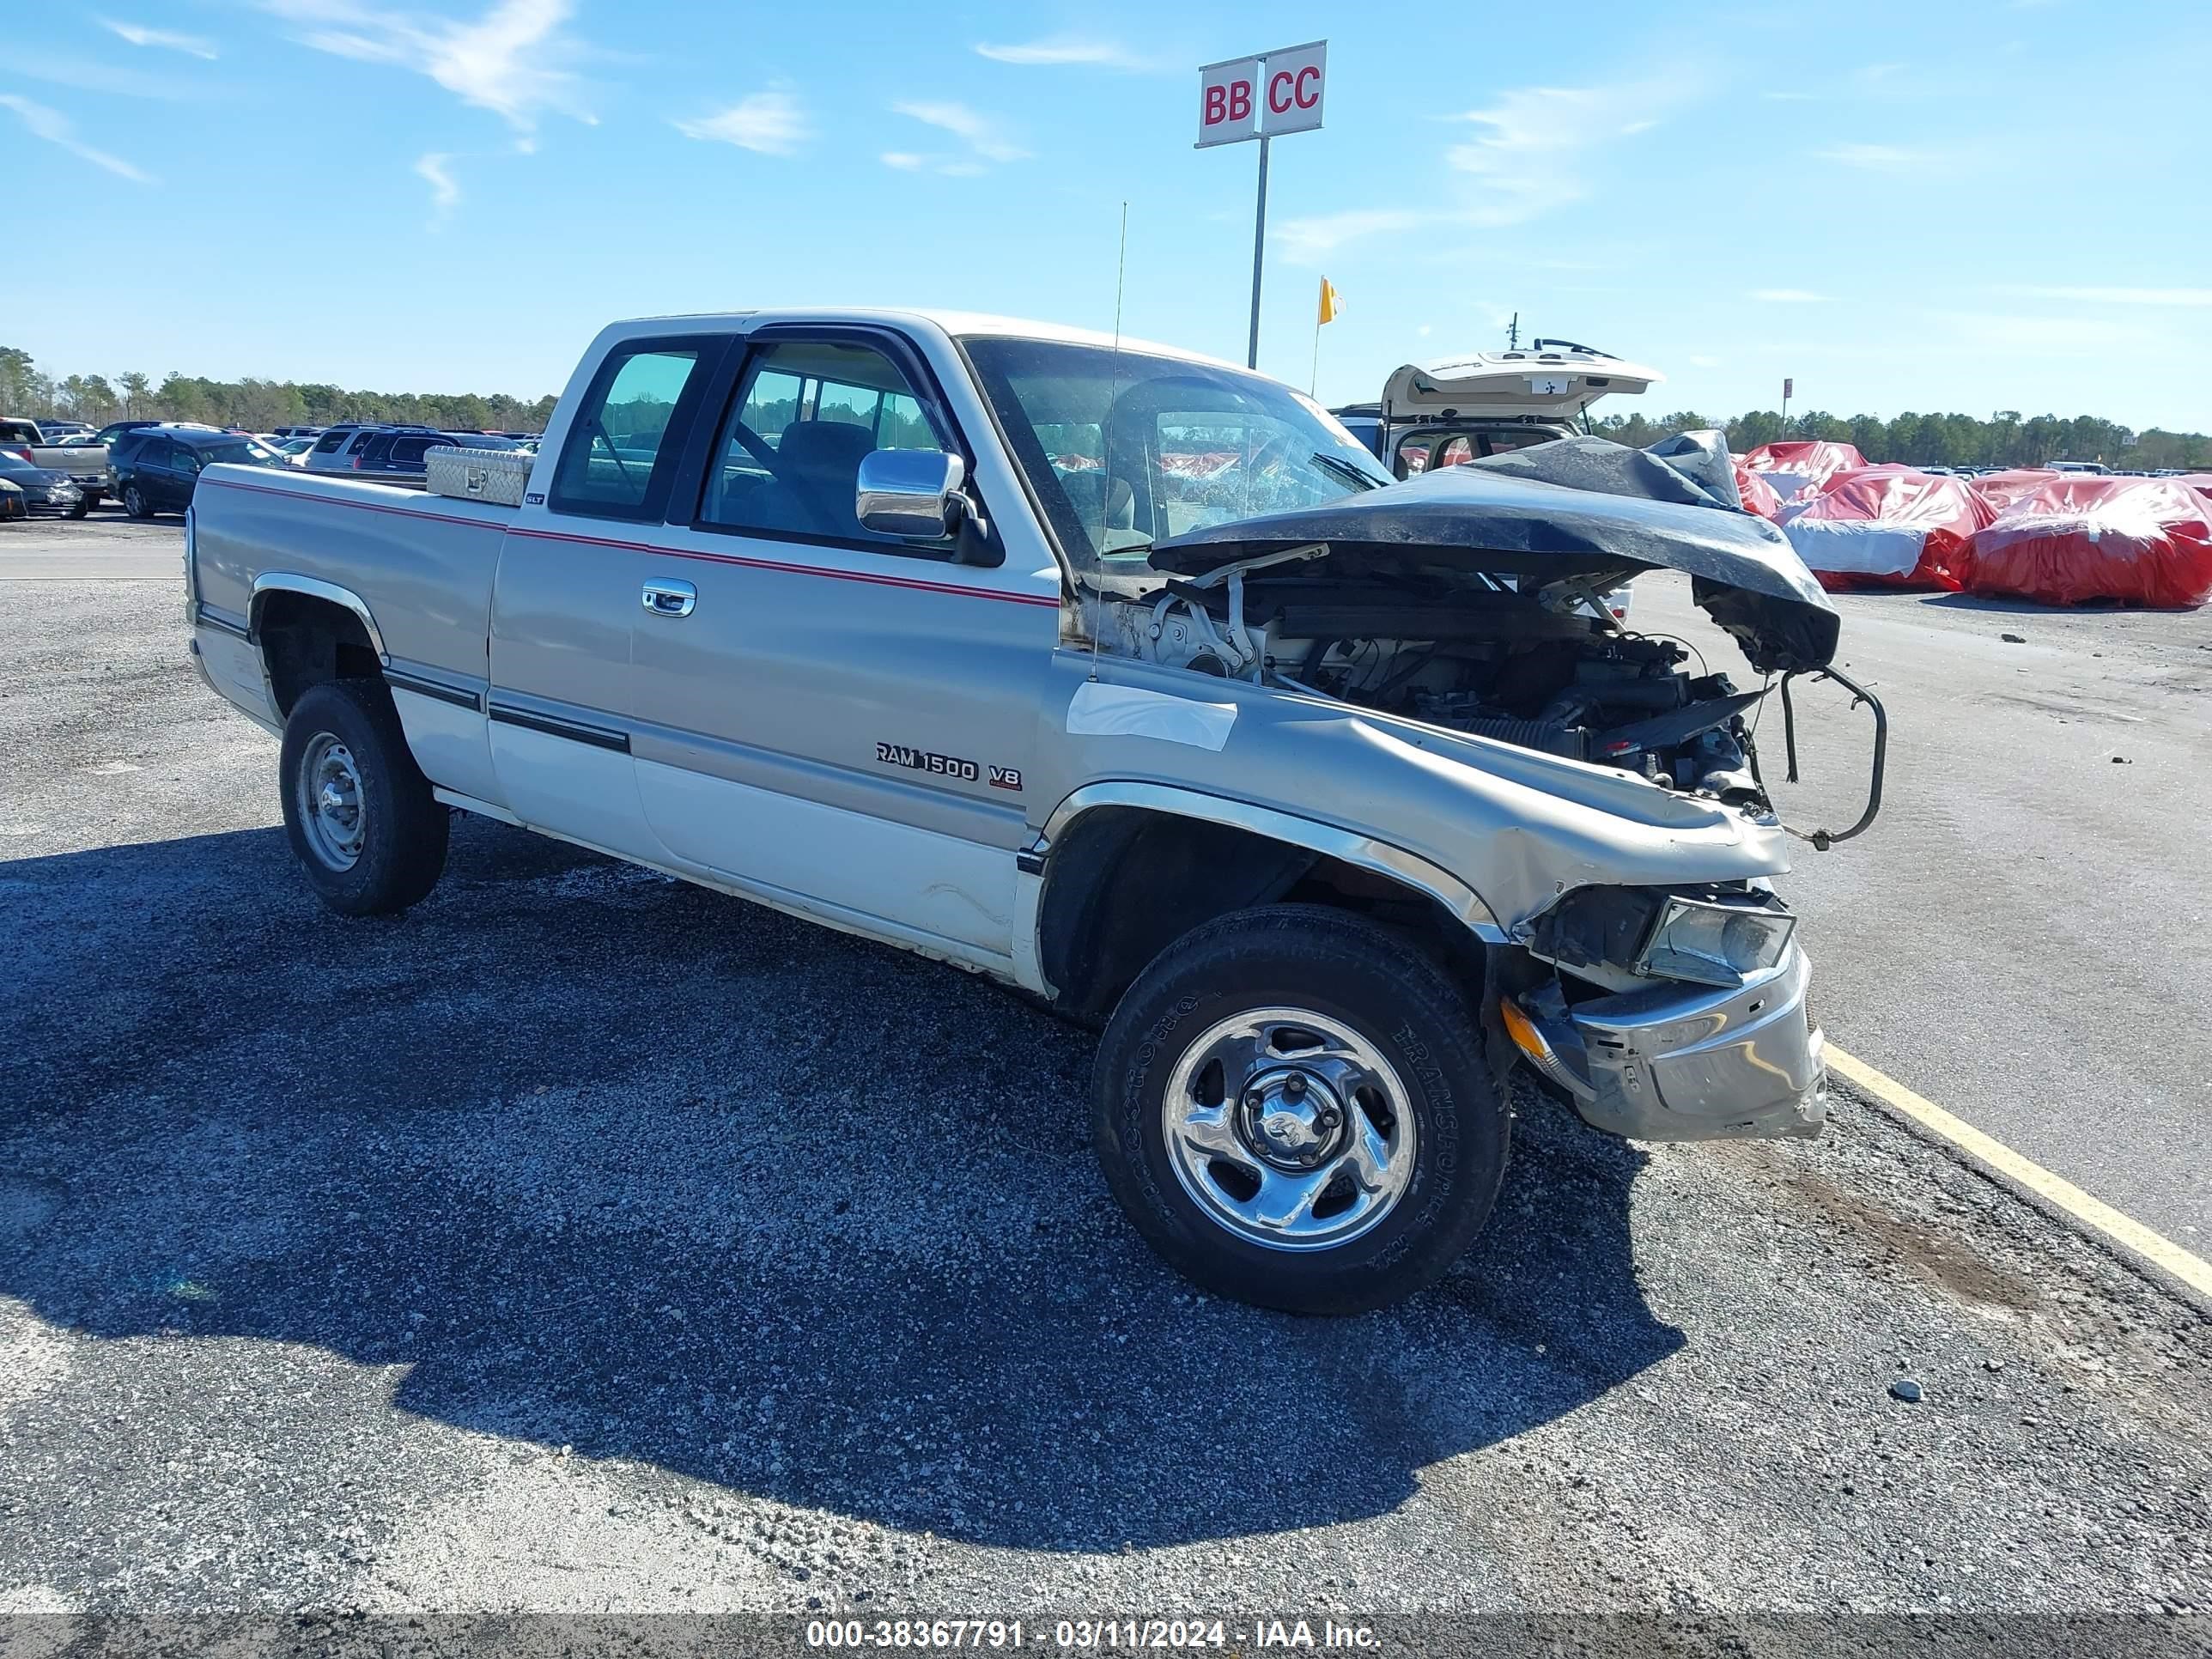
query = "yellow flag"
x=1330 y=304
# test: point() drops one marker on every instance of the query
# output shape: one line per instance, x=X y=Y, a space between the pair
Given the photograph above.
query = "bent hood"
x=1626 y=511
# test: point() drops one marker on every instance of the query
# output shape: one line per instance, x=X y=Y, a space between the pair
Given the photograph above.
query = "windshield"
x=244 y=455
x=1124 y=449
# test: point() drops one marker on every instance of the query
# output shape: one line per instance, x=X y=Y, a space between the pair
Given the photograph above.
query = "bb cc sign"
x=1262 y=97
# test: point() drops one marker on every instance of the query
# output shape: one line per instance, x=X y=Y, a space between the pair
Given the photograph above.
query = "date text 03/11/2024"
x=1085 y=1634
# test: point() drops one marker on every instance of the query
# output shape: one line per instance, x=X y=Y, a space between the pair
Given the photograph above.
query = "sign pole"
x=1259 y=254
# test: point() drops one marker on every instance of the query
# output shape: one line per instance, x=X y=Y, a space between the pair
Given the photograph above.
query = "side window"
x=618 y=444
x=331 y=442
x=807 y=413
x=154 y=452
x=362 y=441
x=410 y=452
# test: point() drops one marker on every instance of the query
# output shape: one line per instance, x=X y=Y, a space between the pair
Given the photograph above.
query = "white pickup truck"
x=1122 y=676
x=85 y=463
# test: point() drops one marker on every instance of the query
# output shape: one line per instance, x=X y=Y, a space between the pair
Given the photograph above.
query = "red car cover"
x=1889 y=526
x=1757 y=494
x=2144 y=541
x=2199 y=482
x=2001 y=489
x=1803 y=465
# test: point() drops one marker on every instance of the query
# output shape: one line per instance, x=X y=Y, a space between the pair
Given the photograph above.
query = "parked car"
x=60 y=431
x=335 y=450
x=932 y=629
x=396 y=456
x=86 y=464
x=46 y=490
x=159 y=469
x=1459 y=409
x=13 y=507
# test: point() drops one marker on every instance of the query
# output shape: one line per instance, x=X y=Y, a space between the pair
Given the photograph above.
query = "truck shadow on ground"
x=611 y=1163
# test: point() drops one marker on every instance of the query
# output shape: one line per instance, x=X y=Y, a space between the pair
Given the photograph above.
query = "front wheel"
x=362 y=819
x=79 y=509
x=1292 y=1106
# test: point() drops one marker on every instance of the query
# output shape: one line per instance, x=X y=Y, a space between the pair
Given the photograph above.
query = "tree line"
x=2004 y=440
x=256 y=405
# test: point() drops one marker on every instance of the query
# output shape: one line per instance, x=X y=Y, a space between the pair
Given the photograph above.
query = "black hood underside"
x=1576 y=510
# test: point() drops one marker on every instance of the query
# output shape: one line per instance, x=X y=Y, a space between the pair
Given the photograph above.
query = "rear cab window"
x=621 y=452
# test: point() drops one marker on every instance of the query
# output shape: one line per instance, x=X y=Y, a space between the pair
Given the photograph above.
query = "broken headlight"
x=1714 y=944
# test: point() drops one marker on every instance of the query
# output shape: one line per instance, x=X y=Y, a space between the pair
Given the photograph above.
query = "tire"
x=1390 y=1042
x=80 y=510
x=135 y=503
x=362 y=819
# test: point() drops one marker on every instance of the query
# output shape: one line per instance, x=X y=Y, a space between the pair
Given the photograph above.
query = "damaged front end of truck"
x=1478 y=602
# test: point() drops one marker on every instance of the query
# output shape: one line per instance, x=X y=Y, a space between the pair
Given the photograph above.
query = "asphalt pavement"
x=584 y=1241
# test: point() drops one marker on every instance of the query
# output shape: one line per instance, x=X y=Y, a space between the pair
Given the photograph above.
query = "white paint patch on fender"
x=1099 y=710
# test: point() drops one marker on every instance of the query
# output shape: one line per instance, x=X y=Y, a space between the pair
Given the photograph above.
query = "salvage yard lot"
x=586 y=1241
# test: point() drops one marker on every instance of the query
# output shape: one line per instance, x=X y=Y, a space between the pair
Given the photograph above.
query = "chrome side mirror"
x=911 y=492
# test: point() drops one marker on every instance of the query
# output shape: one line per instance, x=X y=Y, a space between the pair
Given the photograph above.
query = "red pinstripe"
x=646 y=547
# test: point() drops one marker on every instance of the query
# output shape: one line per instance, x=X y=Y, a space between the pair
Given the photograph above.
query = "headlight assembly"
x=1714 y=944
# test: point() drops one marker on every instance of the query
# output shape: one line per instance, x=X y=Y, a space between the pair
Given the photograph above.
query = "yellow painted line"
x=2126 y=1232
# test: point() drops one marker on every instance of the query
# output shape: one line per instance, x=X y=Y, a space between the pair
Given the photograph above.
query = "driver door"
x=839 y=720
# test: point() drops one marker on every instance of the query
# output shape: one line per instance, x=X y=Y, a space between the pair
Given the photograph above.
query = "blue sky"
x=1944 y=205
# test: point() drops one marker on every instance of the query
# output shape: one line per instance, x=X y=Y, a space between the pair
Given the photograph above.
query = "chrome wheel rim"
x=1289 y=1129
x=331 y=810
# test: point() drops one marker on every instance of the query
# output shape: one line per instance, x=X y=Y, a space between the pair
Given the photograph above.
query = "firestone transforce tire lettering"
x=1291 y=1104
x=359 y=814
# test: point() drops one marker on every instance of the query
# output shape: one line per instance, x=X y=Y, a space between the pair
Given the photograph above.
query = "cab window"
x=617 y=459
x=805 y=415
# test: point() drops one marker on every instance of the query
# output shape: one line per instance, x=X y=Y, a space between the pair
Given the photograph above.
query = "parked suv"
x=339 y=449
x=157 y=470
x=396 y=455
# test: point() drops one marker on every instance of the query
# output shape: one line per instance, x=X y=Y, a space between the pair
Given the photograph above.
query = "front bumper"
x=1686 y=1062
x=53 y=498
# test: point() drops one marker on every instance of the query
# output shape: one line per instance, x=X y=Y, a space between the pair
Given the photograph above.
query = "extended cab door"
x=837 y=719
x=570 y=570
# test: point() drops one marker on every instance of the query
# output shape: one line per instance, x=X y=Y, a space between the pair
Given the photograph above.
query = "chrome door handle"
x=670 y=599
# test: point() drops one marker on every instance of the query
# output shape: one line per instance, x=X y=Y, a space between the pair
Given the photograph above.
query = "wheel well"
x=306 y=640
x=1124 y=883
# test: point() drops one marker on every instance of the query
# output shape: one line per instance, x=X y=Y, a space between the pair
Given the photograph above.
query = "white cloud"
x=1790 y=97
x=1302 y=241
x=1879 y=158
x=772 y=123
x=139 y=35
x=1530 y=160
x=1788 y=296
x=986 y=140
x=1529 y=157
x=2074 y=335
x=436 y=171
x=55 y=128
x=1063 y=49
x=1697 y=361
x=2120 y=297
x=511 y=61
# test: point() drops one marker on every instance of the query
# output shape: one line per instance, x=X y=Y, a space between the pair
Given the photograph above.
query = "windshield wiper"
x=1343 y=468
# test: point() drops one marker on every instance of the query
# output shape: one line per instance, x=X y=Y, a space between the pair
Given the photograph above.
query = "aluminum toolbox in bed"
x=498 y=476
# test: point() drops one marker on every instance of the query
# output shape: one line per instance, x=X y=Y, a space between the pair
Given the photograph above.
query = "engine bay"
x=1549 y=668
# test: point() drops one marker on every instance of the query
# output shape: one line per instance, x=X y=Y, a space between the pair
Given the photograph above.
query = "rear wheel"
x=1292 y=1106
x=135 y=502
x=362 y=819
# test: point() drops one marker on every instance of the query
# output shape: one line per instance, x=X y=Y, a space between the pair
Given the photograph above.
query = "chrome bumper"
x=1691 y=1062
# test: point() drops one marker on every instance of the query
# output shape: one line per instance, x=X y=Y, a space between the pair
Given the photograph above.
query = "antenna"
x=1513 y=333
x=1106 y=439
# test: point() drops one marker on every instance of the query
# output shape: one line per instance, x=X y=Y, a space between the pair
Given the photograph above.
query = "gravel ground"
x=584 y=1242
